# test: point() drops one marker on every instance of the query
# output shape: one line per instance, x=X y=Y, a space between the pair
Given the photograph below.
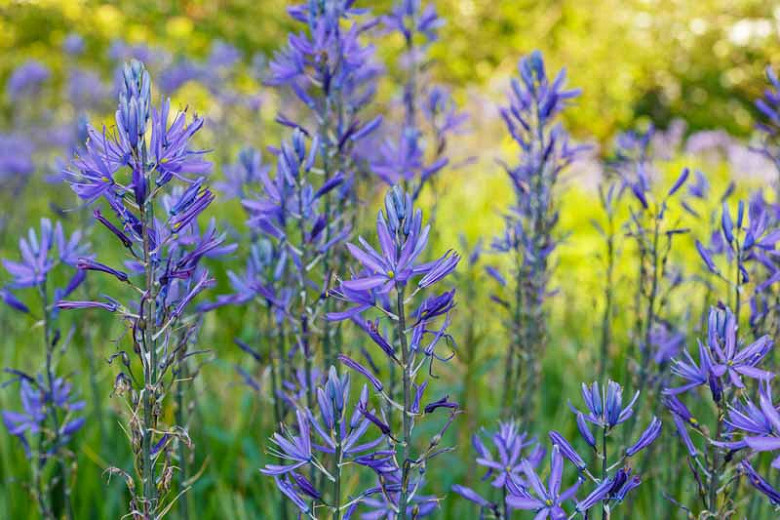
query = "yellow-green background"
x=636 y=61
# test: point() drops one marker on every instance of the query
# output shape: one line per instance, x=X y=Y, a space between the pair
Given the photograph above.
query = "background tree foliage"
x=660 y=59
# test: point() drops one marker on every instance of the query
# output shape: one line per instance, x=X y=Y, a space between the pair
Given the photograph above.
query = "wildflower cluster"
x=418 y=331
x=515 y=469
x=50 y=414
x=528 y=240
x=149 y=176
x=412 y=153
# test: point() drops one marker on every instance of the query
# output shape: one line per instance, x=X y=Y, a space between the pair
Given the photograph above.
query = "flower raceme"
x=605 y=406
x=517 y=473
x=723 y=361
x=381 y=283
x=148 y=175
x=402 y=239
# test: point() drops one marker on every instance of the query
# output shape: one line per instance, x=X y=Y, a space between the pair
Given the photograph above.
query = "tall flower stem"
x=337 y=470
x=181 y=419
x=410 y=88
x=304 y=335
x=406 y=439
x=150 y=362
x=648 y=322
x=604 y=471
x=53 y=411
x=275 y=365
x=712 y=492
x=277 y=376
x=737 y=279
x=325 y=153
x=606 y=322
x=513 y=363
x=650 y=311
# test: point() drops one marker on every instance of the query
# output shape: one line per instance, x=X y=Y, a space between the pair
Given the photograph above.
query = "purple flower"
x=472 y=496
x=605 y=406
x=758 y=482
x=679 y=182
x=439 y=269
x=647 y=437
x=706 y=255
x=118 y=233
x=567 y=450
x=337 y=428
x=285 y=486
x=295 y=448
x=694 y=374
x=73 y=44
x=682 y=419
x=584 y=429
x=132 y=115
x=402 y=240
x=86 y=264
x=734 y=362
x=599 y=493
x=357 y=367
x=38 y=402
x=170 y=146
x=613 y=488
x=546 y=502
x=247 y=173
x=109 y=305
x=193 y=201
x=509 y=443
x=12 y=301
x=36 y=260
x=761 y=425
x=26 y=80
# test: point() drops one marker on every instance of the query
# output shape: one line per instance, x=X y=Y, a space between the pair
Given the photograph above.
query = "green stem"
x=406 y=439
x=604 y=465
x=181 y=419
x=276 y=366
x=606 y=324
x=513 y=359
x=337 y=473
x=150 y=365
x=37 y=464
x=62 y=463
x=715 y=469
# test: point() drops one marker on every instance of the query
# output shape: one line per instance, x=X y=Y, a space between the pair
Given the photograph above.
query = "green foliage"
x=634 y=59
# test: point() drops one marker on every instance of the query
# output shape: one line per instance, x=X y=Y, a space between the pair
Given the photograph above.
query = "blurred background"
x=691 y=69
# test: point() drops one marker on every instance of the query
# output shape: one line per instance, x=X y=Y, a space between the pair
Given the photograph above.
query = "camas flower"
x=760 y=483
x=567 y=450
x=612 y=489
x=759 y=424
x=732 y=361
x=26 y=80
x=721 y=356
x=295 y=448
x=605 y=406
x=546 y=502
x=509 y=443
x=36 y=261
x=682 y=419
x=36 y=404
x=169 y=151
x=170 y=146
x=402 y=239
x=651 y=433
